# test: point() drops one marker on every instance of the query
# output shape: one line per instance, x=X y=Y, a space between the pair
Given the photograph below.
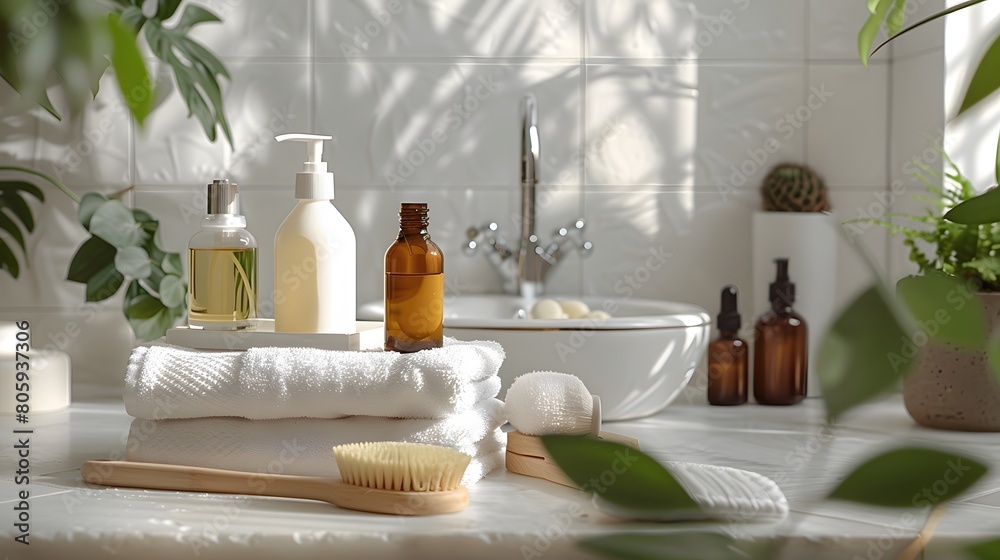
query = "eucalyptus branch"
x=48 y=178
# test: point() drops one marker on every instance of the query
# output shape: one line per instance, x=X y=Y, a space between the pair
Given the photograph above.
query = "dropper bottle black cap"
x=782 y=290
x=729 y=315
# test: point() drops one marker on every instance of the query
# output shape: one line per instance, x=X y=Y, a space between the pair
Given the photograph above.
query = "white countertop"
x=507 y=513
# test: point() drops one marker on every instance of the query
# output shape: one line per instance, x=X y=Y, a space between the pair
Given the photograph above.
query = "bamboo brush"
x=385 y=477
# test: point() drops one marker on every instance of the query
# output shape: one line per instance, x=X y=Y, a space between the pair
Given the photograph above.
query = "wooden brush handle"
x=333 y=490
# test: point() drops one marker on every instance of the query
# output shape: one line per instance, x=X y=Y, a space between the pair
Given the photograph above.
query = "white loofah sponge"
x=545 y=402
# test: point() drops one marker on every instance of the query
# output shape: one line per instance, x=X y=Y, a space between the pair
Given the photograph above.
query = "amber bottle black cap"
x=729 y=315
x=782 y=289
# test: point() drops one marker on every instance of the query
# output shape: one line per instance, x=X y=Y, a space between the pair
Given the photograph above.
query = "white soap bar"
x=370 y=335
x=575 y=309
x=48 y=380
x=547 y=309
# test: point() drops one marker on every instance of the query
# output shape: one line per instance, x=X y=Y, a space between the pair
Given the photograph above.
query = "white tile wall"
x=647 y=108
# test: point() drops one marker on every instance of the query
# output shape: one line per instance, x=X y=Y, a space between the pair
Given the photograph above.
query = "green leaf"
x=11 y=227
x=173 y=291
x=195 y=69
x=910 y=477
x=9 y=73
x=13 y=209
x=866 y=37
x=945 y=309
x=113 y=222
x=996 y=170
x=986 y=550
x=166 y=8
x=94 y=265
x=897 y=16
x=925 y=21
x=130 y=69
x=864 y=354
x=133 y=262
x=987 y=268
x=193 y=15
x=639 y=482
x=147 y=315
x=8 y=261
x=88 y=205
x=983 y=209
x=172 y=264
x=11 y=199
x=986 y=78
x=676 y=546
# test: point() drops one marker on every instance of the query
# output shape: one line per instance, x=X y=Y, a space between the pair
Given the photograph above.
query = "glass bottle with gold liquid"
x=222 y=265
x=414 y=285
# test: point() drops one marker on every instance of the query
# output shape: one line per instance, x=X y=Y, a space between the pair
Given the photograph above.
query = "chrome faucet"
x=525 y=274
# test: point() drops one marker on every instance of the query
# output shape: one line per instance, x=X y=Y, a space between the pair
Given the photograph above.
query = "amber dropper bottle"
x=781 y=349
x=414 y=285
x=727 y=356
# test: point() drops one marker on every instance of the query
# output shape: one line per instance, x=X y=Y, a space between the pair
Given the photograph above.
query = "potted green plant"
x=72 y=45
x=795 y=224
x=952 y=385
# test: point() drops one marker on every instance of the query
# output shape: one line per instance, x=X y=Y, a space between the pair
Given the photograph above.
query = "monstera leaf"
x=79 y=41
x=13 y=209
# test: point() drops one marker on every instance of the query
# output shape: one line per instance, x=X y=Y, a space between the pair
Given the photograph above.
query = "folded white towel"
x=303 y=445
x=266 y=383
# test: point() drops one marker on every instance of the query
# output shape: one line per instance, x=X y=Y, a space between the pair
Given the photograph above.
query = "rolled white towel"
x=166 y=381
x=303 y=445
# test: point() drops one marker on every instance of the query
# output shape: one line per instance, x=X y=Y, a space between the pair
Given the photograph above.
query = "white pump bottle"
x=315 y=254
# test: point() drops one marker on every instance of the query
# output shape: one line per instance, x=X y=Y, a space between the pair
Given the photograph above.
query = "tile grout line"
x=806 y=77
x=889 y=124
x=582 y=140
x=311 y=14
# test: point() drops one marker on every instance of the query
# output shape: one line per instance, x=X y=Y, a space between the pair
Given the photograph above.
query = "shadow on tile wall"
x=653 y=118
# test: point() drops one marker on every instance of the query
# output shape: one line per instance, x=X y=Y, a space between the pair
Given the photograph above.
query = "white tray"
x=370 y=335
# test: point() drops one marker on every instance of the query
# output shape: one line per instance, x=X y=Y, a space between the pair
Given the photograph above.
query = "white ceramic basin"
x=637 y=361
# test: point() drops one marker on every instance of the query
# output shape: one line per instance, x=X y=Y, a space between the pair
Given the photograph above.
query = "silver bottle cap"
x=223 y=197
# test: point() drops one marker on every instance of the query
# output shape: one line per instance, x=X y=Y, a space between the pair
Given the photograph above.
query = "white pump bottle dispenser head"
x=314 y=182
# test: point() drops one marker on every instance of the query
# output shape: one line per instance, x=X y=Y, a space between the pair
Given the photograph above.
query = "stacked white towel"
x=263 y=383
x=302 y=445
x=282 y=409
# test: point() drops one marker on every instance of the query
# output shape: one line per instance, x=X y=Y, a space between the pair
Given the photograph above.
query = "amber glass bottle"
x=781 y=349
x=414 y=285
x=727 y=356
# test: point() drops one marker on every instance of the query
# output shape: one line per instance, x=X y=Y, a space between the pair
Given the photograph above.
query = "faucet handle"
x=572 y=232
x=489 y=234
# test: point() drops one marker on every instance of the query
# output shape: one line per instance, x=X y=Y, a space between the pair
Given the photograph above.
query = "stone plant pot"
x=955 y=389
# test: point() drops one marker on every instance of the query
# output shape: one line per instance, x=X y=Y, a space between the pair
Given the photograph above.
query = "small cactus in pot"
x=794 y=188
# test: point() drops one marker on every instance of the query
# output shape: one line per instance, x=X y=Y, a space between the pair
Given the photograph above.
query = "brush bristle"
x=407 y=467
